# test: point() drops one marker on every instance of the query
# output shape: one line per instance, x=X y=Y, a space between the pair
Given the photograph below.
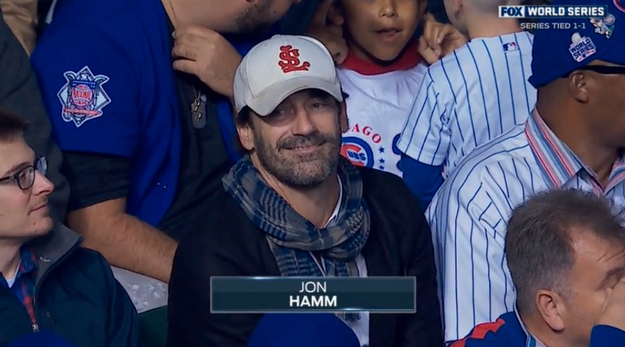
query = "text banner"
x=317 y=294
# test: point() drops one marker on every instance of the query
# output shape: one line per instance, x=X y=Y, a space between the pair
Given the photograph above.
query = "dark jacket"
x=20 y=95
x=229 y=244
x=76 y=296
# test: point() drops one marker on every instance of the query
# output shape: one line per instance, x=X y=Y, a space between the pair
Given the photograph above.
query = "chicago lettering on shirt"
x=377 y=108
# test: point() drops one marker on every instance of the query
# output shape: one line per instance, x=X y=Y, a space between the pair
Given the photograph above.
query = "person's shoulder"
x=96 y=32
x=421 y=68
x=70 y=13
x=87 y=261
x=388 y=191
x=75 y=258
x=102 y=22
x=225 y=229
x=442 y=73
x=497 y=49
x=507 y=147
x=224 y=243
x=85 y=274
x=380 y=182
x=480 y=175
x=520 y=39
x=450 y=62
x=504 y=332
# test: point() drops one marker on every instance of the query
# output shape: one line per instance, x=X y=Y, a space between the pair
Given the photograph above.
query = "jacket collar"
x=530 y=340
x=557 y=160
x=52 y=248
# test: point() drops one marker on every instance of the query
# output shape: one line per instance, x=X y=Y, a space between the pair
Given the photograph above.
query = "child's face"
x=380 y=29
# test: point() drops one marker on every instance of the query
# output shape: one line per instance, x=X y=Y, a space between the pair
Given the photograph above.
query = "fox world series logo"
x=548 y=11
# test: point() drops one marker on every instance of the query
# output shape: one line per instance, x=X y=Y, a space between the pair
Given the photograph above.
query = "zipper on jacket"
x=35 y=326
x=49 y=315
x=33 y=323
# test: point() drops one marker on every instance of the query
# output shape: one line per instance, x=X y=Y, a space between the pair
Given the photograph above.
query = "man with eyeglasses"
x=573 y=139
x=48 y=284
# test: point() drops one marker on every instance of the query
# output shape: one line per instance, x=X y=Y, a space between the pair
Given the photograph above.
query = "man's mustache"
x=299 y=141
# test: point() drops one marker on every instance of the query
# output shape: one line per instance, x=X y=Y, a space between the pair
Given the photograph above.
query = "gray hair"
x=538 y=239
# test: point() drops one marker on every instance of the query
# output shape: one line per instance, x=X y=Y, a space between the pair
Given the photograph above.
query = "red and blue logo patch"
x=357 y=151
x=83 y=97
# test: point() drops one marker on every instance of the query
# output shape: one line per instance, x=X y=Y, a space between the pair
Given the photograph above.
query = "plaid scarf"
x=292 y=237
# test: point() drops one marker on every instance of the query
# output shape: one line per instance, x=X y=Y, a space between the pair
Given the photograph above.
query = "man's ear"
x=552 y=308
x=579 y=85
x=343 y=119
x=246 y=135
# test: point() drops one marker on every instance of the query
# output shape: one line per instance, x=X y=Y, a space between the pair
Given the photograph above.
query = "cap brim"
x=270 y=98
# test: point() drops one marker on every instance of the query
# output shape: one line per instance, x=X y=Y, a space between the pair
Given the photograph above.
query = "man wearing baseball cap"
x=294 y=207
x=572 y=140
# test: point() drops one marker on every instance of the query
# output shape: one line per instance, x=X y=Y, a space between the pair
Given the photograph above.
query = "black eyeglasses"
x=602 y=69
x=25 y=178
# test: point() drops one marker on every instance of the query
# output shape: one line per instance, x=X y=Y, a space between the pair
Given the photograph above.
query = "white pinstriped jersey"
x=469 y=213
x=468 y=98
x=377 y=108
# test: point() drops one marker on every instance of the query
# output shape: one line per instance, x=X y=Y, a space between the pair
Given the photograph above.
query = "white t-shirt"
x=377 y=108
x=11 y=281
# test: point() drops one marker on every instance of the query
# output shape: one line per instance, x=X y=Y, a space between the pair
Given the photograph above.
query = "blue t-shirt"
x=105 y=72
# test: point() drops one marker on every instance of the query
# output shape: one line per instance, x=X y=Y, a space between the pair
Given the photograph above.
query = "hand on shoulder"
x=438 y=39
x=208 y=55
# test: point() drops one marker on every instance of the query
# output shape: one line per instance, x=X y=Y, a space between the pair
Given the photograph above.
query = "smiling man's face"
x=299 y=142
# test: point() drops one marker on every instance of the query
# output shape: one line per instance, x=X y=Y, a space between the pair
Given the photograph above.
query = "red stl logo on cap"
x=289 y=60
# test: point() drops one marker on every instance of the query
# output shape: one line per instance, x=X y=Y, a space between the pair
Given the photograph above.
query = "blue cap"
x=302 y=330
x=557 y=52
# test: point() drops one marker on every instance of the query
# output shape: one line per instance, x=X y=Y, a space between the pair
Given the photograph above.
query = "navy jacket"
x=76 y=297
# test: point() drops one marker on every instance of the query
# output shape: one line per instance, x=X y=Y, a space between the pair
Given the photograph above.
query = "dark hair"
x=538 y=238
x=241 y=119
x=244 y=118
x=10 y=126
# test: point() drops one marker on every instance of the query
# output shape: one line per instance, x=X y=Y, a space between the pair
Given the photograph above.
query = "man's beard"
x=255 y=19
x=305 y=170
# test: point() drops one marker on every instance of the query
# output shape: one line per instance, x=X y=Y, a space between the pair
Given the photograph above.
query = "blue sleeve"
x=422 y=180
x=604 y=335
x=90 y=90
